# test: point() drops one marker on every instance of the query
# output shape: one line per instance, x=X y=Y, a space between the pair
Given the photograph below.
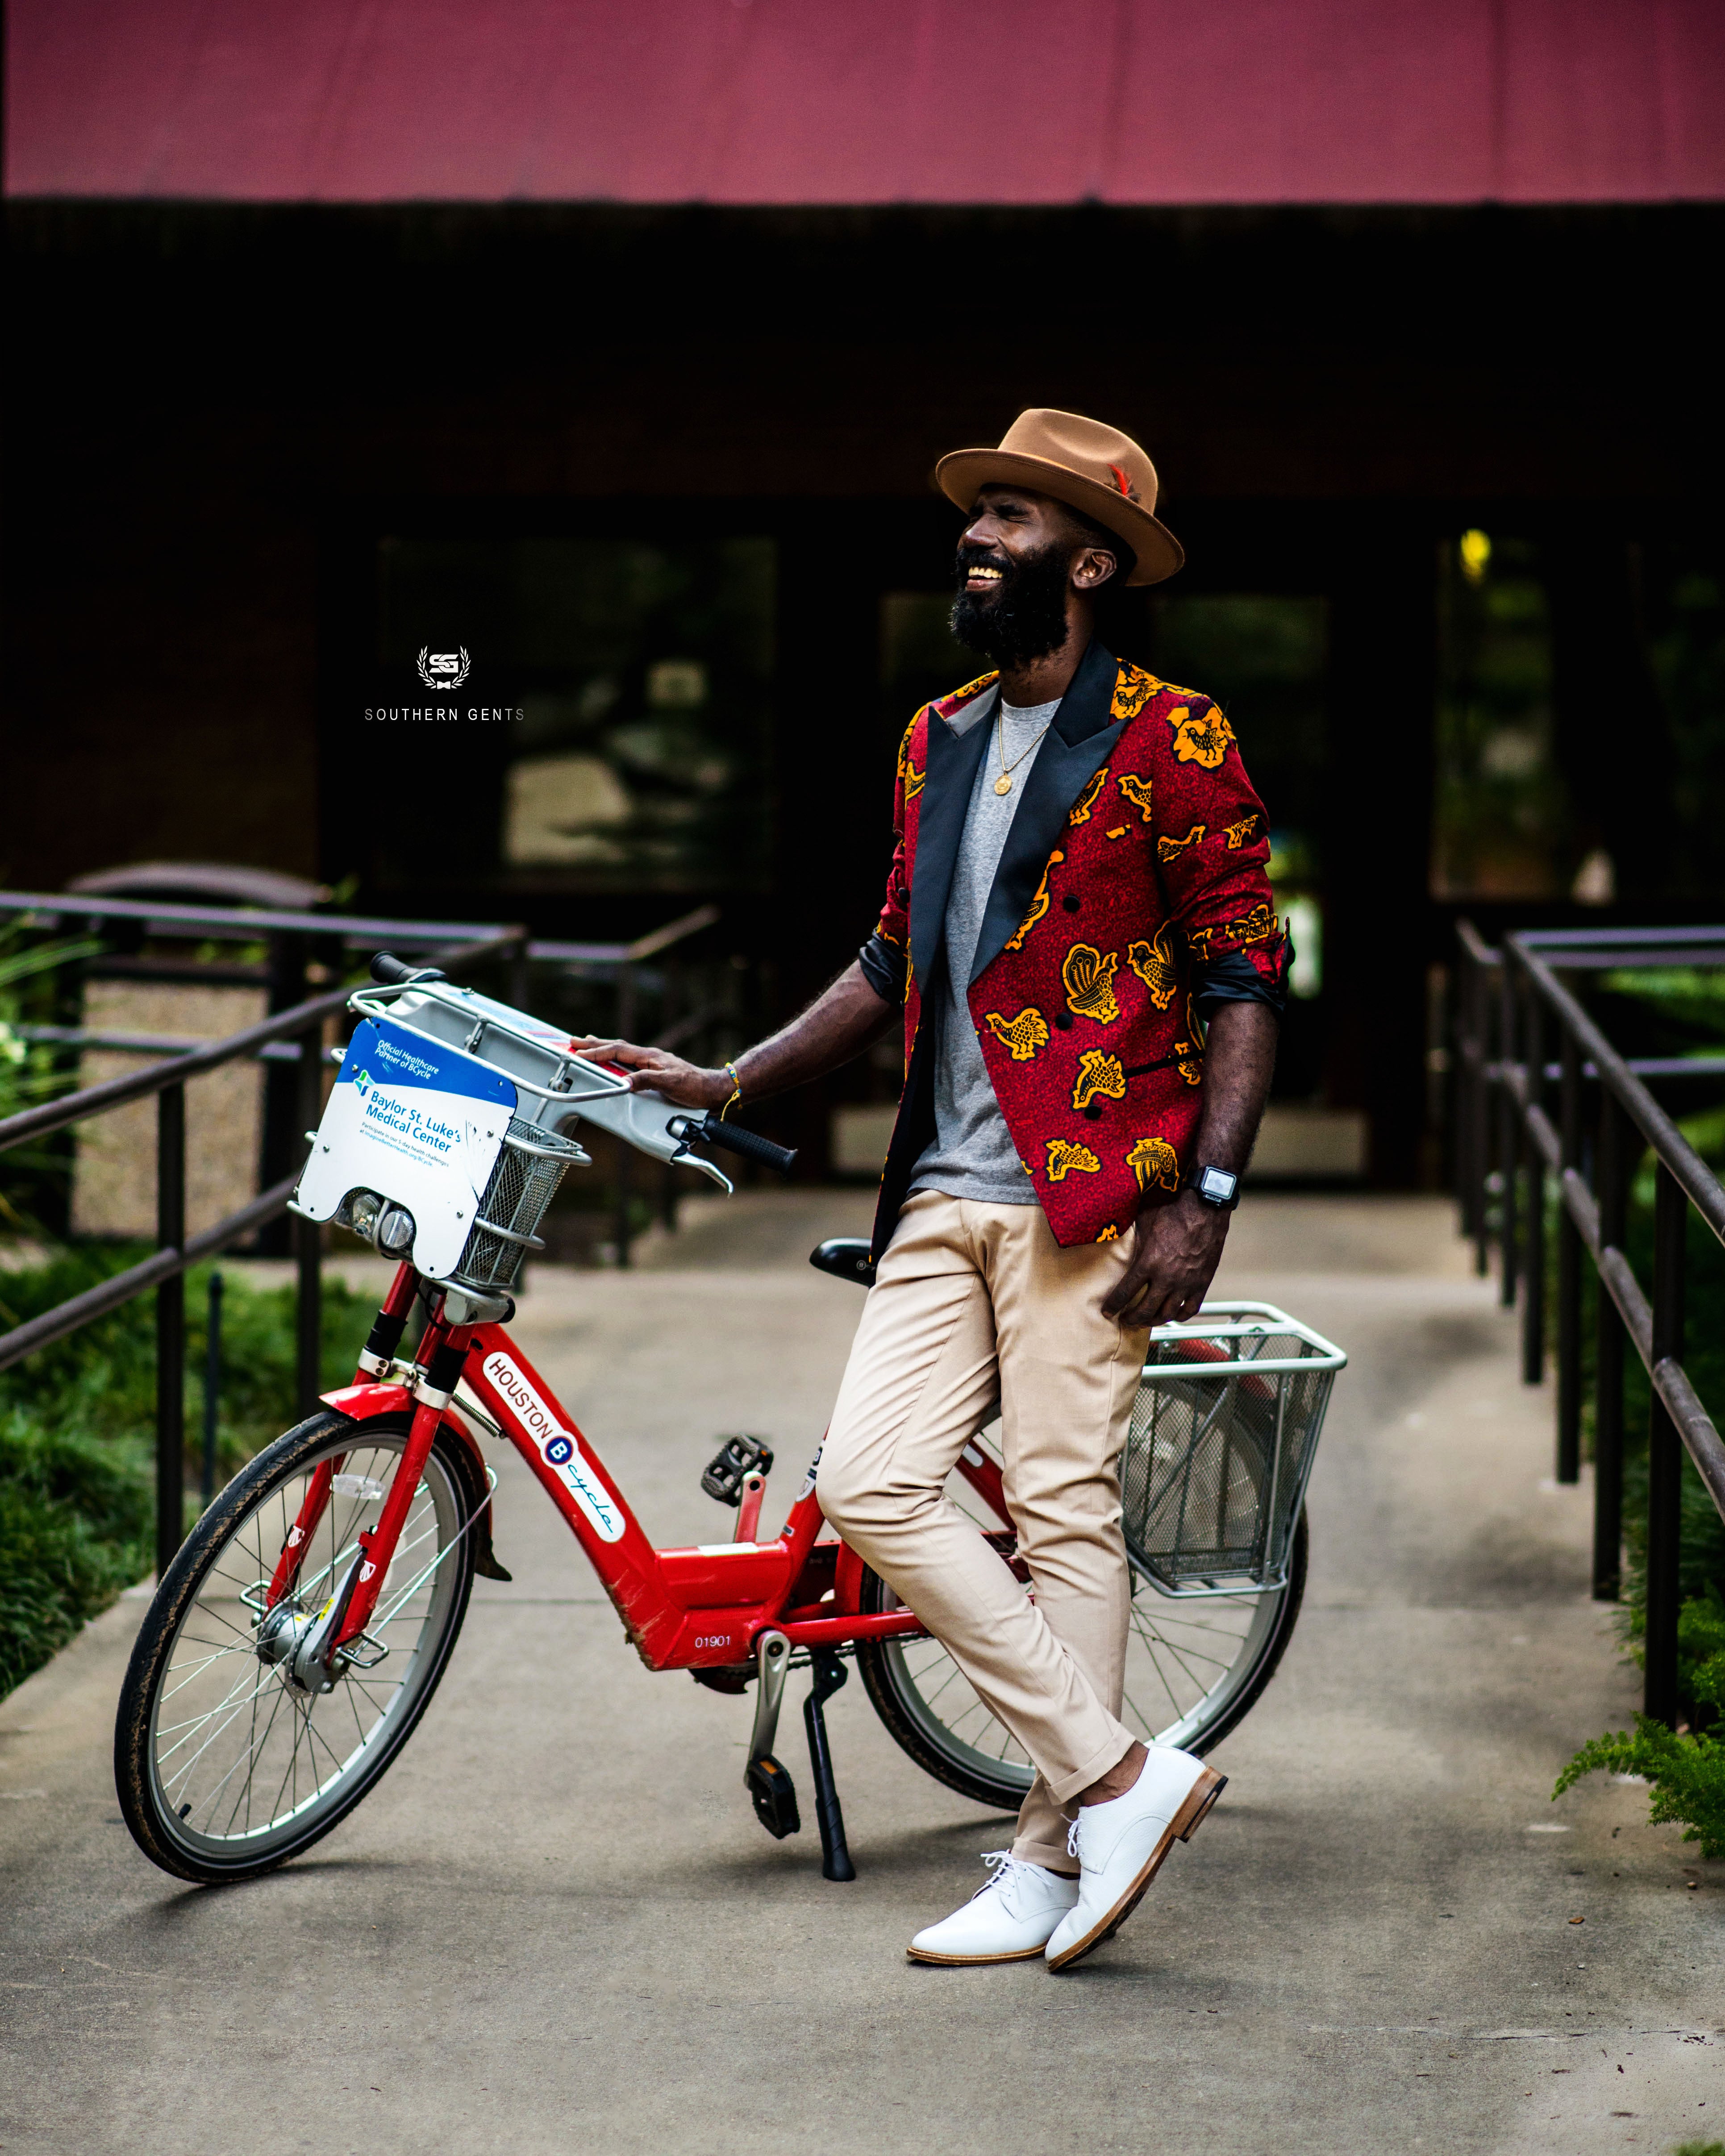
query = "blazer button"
x=1063 y=1020
x=1071 y=901
x=1094 y=1112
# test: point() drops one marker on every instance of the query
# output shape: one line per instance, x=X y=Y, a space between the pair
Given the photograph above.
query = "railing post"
x=1609 y=1340
x=211 y=1388
x=282 y=1121
x=1508 y=1138
x=170 y=1328
x=1481 y=1114
x=1568 y=1467
x=1533 y=1238
x=308 y=1238
x=1664 y=1452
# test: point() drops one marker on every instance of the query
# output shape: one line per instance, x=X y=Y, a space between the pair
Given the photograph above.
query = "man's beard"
x=1024 y=616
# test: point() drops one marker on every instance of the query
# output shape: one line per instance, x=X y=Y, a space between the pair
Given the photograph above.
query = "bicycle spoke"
x=236 y=1754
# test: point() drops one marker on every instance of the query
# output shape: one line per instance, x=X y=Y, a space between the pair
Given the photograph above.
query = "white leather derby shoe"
x=1120 y=1846
x=1009 y=1919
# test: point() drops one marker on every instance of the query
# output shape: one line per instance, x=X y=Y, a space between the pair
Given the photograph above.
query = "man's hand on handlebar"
x=656 y=1070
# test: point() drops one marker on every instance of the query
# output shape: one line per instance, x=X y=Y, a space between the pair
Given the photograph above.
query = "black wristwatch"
x=1215 y=1186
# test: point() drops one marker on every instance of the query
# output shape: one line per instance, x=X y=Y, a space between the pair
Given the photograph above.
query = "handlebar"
x=733 y=1138
x=394 y=974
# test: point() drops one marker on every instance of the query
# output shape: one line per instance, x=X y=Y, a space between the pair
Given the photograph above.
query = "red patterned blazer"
x=1135 y=863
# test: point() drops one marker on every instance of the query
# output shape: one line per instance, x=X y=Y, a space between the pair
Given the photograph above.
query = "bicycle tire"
x=262 y=1492
x=926 y=1737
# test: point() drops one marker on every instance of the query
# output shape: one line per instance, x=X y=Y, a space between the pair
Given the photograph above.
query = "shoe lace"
x=1003 y=1869
x=1072 y=1839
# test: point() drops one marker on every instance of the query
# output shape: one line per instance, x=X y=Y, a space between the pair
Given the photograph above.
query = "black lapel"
x=953 y=761
x=1079 y=742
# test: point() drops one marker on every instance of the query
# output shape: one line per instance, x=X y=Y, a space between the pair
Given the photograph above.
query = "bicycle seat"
x=845 y=1257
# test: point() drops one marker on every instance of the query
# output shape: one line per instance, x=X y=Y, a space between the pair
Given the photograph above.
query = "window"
x=615 y=728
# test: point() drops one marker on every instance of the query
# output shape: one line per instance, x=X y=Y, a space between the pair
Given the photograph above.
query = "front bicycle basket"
x=532 y=1163
x=1223 y=1432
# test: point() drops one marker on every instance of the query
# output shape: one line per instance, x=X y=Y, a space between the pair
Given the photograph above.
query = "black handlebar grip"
x=735 y=1139
x=394 y=974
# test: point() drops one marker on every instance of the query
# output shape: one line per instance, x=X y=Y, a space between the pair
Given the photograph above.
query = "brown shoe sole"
x=1184 y=1824
x=972 y=1961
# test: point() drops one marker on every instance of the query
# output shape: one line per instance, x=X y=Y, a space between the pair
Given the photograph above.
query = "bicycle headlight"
x=395 y=1232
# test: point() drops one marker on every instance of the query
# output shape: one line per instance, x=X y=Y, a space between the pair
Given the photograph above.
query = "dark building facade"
x=649 y=483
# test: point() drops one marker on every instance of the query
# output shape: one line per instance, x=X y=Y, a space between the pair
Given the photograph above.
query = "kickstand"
x=829 y=1676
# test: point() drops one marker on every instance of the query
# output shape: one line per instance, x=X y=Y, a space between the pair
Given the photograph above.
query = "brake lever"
x=684 y=1157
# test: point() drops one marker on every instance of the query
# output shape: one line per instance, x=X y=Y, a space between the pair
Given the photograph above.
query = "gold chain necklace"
x=1004 y=783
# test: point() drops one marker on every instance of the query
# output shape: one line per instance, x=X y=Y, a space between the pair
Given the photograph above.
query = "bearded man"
x=1078 y=936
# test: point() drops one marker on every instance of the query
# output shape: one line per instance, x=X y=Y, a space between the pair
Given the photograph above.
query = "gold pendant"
x=1002 y=784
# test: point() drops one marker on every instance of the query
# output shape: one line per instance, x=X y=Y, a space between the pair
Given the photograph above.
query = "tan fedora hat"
x=1084 y=464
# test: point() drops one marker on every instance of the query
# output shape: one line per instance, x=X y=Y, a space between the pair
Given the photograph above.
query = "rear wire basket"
x=1223 y=1432
x=532 y=1164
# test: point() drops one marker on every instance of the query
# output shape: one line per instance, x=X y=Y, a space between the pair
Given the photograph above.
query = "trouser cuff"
x=1111 y=1754
x=1051 y=1856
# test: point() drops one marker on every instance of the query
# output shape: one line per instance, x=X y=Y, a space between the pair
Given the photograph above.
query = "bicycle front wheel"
x=1194 y=1668
x=226 y=1769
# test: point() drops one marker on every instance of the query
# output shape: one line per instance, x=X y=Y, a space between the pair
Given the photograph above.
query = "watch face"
x=1217 y=1185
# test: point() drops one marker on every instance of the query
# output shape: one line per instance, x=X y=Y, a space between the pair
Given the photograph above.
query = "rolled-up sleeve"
x=883 y=968
x=1213 y=848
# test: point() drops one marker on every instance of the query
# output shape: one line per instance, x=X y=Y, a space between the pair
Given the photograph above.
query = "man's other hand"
x=655 y=1070
x=1176 y=1249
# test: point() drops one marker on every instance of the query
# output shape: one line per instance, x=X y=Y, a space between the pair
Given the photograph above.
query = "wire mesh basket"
x=1223 y=1432
x=532 y=1163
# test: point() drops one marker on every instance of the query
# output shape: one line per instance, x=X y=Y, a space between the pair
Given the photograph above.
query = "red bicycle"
x=299 y=1636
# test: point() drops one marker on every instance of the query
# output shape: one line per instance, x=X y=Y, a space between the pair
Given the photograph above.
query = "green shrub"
x=1687 y=1772
x=77 y=1432
x=77 y=1515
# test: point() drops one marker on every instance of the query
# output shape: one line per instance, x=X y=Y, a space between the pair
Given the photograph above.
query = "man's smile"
x=982 y=577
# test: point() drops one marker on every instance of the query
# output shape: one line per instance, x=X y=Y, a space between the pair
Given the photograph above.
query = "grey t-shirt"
x=972 y=1154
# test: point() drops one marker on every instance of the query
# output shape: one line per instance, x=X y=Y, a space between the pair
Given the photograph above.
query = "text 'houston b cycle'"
x=298 y=1636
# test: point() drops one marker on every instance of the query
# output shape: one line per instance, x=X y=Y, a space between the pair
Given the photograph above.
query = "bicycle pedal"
x=736 y=1458
x=774 y=1796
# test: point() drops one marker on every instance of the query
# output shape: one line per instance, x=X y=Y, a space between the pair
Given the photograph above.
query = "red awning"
x=763 y=102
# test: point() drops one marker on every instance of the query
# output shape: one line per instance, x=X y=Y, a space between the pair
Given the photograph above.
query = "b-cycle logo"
x=444 y=670
x=556 y=1447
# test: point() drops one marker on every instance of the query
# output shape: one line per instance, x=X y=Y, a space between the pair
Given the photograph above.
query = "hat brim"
x=959 y=474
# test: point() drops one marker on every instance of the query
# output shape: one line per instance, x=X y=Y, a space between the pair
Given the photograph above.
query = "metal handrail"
x=294 y=1036
x=1516 y=993
x=299 y=1028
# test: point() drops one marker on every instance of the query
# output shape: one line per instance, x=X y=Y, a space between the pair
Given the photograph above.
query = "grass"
x=77 y=1433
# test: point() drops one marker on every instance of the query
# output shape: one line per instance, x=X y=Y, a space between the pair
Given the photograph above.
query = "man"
x=1079 y=931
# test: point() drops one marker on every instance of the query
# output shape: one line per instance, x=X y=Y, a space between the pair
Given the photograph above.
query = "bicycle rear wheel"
x=224 y=1769
x=1194 y=1667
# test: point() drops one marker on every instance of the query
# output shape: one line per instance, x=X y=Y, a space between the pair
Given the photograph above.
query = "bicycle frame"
x=702 y=1607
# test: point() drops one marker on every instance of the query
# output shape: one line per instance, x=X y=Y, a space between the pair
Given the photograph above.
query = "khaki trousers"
x=973 y=1304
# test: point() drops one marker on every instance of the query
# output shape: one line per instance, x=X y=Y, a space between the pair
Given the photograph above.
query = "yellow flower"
x=1024 y=1035
x=1063 y=1157
x=1154 y=1161
x=1089 y=979
x=1098 y=1072
x=1203 y=740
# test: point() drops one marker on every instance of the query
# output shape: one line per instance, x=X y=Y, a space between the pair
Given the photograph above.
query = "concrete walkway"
x=556 y=1927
